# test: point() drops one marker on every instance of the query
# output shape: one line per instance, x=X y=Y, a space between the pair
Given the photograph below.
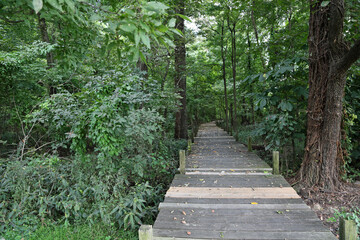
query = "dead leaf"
x=175 y=218
x=184 y=213
x=254 y=203
x=188 y=233
x=212 y=211
x=183 y=222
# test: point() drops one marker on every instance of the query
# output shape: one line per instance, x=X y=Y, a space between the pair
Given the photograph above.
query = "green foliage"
x=77 y=232
x=283 y=101
x=354 y=215
x=351 y=128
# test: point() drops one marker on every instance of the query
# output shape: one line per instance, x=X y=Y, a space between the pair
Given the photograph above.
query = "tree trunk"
x=256 y=33
x=232 y=28
x=49 y=56
x=180 y=73
x=329 y=60
x=223 y=57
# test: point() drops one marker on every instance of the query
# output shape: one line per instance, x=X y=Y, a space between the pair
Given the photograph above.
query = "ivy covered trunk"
x=329 y=60
x=180 y=73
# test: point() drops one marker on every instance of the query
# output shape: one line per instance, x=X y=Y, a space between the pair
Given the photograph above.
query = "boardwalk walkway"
x=230 y=193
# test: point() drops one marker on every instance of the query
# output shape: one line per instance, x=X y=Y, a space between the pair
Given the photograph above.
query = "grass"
x=80 y=232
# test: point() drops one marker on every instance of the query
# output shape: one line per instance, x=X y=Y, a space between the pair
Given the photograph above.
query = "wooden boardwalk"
x=230 y=193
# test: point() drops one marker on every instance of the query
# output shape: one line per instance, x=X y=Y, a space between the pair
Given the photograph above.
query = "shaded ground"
x=325 y=203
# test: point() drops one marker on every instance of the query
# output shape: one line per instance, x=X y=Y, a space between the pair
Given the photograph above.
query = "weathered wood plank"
x=236 y=201
x=233 y=206
x=208 y=234
x=194 y=217
x=305 y=213
x=198 y=192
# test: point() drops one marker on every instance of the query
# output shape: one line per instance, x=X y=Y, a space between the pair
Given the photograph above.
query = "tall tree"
x=329 y=59
x=180 y=72
x=223 y=68
x=232 y=22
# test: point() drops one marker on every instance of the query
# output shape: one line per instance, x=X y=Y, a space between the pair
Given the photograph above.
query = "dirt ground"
x=324 y=203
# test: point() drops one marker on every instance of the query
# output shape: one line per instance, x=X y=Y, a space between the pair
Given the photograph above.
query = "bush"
x=108 y=162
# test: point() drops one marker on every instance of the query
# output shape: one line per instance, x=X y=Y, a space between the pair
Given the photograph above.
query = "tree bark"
x=180 y=73
x=256 y=33
x=223 y=58
x=232 y=28
x=329 y=60
x=49 y=56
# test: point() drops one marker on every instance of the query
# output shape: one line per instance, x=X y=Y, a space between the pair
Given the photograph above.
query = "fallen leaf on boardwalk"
x=175 y=218
x=188 y=233
x=192 y=211
x=172 y=211
x=183 y=222
x=183 y=212
x=212 y=211
x=232 y=170
x=254 y=203
x=201 y=179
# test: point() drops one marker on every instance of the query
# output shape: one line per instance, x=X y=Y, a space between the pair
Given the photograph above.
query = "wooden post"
x=145 y=232
x=249 y=144
x=348 y=229
x=182 y=161
x=276 y=163
x=189 y=145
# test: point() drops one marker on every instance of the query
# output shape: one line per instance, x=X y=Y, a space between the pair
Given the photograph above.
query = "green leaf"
x=130 y=12
x=37 y=4
x=142 y=57
x=262 y=103
x=172 y=22
x=325 y=3
x=162 y=28
x=145 y=39
x=183 y=17
x=169 y=42
x=177 y=32
x=55 y=4
x=71 y=5
x=155 y=6
x=128 y=27
x=137 y=38
x=136 y=55
x=145 y=27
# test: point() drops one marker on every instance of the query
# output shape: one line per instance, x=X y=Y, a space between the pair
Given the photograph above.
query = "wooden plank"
x=198 y=192
x=195 y=217
x=243 y=226
x=228 y=173
x=304 y=213
x=234 y=206
x=229 y=181
x=208 y=234
x=236 y=201
x=228 y=169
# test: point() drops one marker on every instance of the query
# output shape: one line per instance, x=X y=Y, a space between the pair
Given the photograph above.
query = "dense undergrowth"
x=99 y=155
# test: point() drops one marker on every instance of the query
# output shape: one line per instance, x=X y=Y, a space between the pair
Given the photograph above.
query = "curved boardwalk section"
x=230 y=193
